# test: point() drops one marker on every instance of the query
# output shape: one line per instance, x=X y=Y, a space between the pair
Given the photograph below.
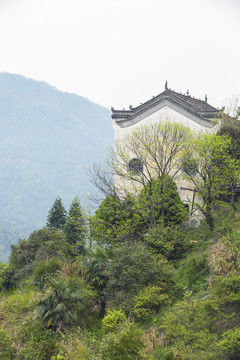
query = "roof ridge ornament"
x=199 y=108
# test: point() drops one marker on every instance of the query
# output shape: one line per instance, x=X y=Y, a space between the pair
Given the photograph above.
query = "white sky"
x=120 y=52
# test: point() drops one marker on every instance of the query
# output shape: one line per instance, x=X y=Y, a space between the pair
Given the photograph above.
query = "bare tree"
x=148 y=153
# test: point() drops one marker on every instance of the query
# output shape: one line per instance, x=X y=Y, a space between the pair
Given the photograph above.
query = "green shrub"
x=194 y=271
x=149 y=301
x=229 y=346
x=189 y=328
x=227 y=290
x=42 y=244
x=166 y=354
x=113 y=319
x=172 y=353
x=6 y=273
x=125 y=344
x=159 y=201
x=167 y=241
x=132 y=268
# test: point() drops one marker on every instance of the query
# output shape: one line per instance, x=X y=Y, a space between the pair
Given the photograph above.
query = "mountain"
x=48 y=140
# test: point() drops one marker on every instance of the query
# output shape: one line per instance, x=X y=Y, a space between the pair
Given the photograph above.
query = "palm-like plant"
x=96 y=274
x=64 y=304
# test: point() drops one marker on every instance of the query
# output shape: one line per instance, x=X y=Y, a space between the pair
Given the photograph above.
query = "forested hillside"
x=48 y=140
x=133 y=281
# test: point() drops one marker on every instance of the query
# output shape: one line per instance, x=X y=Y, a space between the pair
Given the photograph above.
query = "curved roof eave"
x=130 y=117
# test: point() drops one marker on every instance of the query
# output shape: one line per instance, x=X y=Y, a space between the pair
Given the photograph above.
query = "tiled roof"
x=197 y=107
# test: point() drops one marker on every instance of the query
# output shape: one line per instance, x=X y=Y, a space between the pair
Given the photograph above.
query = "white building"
x=172 y=106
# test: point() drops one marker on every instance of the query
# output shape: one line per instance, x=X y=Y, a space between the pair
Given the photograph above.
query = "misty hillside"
x=48 y=140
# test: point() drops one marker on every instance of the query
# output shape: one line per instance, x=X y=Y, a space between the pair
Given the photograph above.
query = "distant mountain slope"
x=48 y=140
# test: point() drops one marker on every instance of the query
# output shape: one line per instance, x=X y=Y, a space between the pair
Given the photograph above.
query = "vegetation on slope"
x=126 y=287
x=153 y=308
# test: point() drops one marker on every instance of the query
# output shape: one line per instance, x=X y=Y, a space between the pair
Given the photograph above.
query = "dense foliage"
x=128 y=287
x=119 y=221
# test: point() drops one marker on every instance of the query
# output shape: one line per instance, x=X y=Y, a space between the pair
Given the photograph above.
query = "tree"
x=149 y=301
x=231 y=127
x=149 y=153
x=230 y=181
x=231 y=108
x=166 y=241
x=65 y=304
x=114 y=223
x=57 y=215
x=159 y=201
x=159 y=147
x=5 y=277
x=75 y=227
x=96 y=263
x=42 y=244
x=214 y=172
x=132 y=268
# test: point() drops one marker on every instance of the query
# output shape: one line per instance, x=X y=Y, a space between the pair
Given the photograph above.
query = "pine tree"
x=75 y=228
x=57 y=215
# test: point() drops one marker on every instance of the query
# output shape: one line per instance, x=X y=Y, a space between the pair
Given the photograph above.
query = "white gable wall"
x=166 y=113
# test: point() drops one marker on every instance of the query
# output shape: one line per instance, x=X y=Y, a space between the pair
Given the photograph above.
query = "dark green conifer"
x=75 y=228
x=57 y=215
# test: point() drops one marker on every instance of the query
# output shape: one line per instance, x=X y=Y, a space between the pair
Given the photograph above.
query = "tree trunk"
x=209 y=218
x=233 y=200
x=103 y=308
x=163 y=217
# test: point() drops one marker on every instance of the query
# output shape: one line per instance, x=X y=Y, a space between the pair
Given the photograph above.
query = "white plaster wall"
x=166 y=113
